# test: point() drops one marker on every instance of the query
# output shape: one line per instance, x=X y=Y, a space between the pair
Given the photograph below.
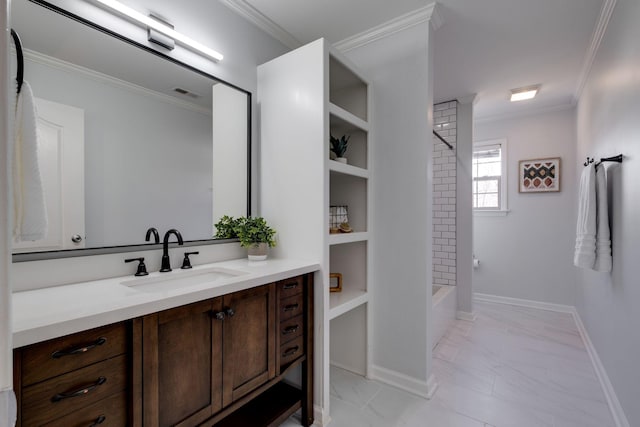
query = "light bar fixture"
x=161 y=28
x=524 y=93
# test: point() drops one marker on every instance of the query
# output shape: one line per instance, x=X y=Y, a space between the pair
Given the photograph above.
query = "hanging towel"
x=603 y=233
x=30 y=212
x=585 y=251
x=7 y=408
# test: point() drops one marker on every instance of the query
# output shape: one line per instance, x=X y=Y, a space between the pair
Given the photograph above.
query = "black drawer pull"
x=98 y=421
x=291 y=307
x=61 y=396
x=291 y=351
x=290 y=330
x=61 y=353
x=289 y=286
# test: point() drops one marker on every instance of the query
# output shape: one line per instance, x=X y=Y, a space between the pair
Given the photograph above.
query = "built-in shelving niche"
x=350 y=260
x=357 y=148
x=351 y=191
x=348 y=342
x=346 y=89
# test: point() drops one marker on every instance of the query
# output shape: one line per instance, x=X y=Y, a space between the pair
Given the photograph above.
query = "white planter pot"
x=257 y=252
x=341 y=160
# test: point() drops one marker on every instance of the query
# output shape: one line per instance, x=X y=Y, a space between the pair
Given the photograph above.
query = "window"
x=489 y=175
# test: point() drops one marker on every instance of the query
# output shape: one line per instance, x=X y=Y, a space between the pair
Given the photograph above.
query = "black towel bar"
x=20 y=72
x=617 y=159
x=443 y=140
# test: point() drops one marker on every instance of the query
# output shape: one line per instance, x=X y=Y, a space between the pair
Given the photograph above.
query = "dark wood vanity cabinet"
x=77 y=380
x=218 y=362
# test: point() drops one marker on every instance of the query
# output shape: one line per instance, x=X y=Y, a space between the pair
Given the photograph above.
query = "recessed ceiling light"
x=524 y=93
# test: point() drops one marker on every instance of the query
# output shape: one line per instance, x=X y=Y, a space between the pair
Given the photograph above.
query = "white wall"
x=402 y=192
x=608 y=124
x=529 y=253
x=464 y=206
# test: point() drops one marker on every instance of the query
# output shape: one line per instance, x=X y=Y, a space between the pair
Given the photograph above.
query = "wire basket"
x=338 y=215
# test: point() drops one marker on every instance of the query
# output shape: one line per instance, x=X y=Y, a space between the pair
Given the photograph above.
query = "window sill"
x=503 y=212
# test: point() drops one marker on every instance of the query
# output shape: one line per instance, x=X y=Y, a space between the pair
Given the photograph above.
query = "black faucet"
x=153 y=231
x=166 y=264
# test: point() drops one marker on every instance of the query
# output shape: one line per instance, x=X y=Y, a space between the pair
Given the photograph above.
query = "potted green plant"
x=226 y=228
x=255 y=235
x=339 y=147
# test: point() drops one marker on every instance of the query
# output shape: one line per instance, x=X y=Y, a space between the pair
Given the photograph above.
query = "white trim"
x=524 y=113
x=432 y=386
x=612 y=399
x=424 y=389
x=596 y=39
x=466 y=316
x=561 y=308
x=491 y=212
x=504 y=177
x=615 y=407
x=469 y=99
x=424 y=14
x=52 y=62
x=253 y=15
x=321 y=416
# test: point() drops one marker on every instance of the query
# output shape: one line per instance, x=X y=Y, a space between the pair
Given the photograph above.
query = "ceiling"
x=483 y=47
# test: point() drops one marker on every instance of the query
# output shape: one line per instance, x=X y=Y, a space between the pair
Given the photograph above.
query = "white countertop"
x=42 y=314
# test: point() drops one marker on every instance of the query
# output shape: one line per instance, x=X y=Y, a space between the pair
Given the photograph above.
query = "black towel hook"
x=20 y=72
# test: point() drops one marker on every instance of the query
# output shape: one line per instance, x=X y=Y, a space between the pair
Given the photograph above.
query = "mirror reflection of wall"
x=148 y=148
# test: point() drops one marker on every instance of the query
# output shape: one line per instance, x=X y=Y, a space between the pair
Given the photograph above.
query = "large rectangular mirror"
x=129 y=138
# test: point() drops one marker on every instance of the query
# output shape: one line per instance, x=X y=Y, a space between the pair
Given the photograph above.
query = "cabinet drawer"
x=291 y=307
x=291 y=350
x=109 y=412
x=61 y=355
x=70 y=392
x=291 y=328
x=290 y=287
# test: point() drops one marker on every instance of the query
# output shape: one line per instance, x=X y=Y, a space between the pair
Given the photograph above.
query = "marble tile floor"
x=512 y=367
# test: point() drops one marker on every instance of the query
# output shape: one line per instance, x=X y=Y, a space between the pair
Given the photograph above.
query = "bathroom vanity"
x=207 y=354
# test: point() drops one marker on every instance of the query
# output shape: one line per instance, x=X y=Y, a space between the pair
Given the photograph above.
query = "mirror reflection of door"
x=61 y=157
x=229 y=114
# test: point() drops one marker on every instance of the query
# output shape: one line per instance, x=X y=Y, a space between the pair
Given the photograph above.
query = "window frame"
x=503 y=179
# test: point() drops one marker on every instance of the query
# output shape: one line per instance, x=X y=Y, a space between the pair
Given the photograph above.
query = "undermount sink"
x=178 y=279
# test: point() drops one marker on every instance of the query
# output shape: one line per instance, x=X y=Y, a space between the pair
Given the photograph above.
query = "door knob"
x=76 y=238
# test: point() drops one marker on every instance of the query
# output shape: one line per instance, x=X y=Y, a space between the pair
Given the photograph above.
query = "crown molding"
x=52 y=62
x=525 y=113
x=428 y=13
x=253 y=15
x=596 y=39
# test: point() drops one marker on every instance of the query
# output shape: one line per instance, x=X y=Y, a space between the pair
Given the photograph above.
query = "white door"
x=61 y=156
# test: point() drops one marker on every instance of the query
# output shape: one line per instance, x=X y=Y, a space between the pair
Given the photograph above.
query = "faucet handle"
x=142 y=268
x=186 y=263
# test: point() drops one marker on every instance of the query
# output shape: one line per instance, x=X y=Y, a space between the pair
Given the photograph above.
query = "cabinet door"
x=248 y=341
x=182 y=365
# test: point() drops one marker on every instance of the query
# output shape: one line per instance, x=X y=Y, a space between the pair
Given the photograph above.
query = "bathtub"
x=444 y=310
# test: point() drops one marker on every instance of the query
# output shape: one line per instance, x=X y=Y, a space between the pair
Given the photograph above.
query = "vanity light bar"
x=162 y=28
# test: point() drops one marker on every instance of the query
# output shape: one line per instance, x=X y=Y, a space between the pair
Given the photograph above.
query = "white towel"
x=7 y=408
x=30 y=212
x=603 y=233
x=585 y=251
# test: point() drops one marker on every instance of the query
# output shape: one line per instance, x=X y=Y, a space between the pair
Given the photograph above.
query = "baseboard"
x=321 y=417
x=347 y=368
x=561 y=308
x=465 y=315
x=403 y=382
x=432 y=386
x=612 y=399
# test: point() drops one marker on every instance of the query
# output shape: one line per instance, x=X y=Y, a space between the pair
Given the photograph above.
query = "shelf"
x=348 y=118
x=271 y=408
x=342 y=238
x=348 y=169
x=347 y=300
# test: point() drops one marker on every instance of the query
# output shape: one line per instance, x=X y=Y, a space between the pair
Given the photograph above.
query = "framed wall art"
x=539 y=175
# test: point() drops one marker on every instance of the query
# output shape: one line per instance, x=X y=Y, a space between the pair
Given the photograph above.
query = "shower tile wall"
x=444 y=194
